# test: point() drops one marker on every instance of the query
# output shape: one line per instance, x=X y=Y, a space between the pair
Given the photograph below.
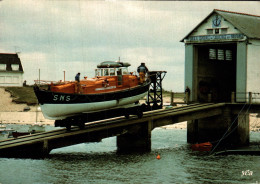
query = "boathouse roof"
x=10 y=62
x=247 y=24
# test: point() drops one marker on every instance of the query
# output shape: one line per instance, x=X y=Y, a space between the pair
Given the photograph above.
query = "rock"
x=26 y=109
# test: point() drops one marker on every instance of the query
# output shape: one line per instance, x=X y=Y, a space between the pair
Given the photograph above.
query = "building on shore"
x=222 y=56
x=11 y=70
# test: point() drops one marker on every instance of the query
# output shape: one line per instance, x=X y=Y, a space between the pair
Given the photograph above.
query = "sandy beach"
x=12 y=113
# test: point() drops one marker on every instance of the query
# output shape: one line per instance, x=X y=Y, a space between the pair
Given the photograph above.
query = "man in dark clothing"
x=187 y=94
x=142 y=70
x=77 y=77
x=77 y=86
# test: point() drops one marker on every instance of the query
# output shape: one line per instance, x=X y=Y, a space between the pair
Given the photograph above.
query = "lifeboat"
x=207 y=146
x=112 y=87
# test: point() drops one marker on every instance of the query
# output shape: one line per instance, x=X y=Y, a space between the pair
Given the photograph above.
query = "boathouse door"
x=216 y=72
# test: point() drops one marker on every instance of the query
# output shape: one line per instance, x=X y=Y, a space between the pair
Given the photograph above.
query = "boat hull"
x=58 y=106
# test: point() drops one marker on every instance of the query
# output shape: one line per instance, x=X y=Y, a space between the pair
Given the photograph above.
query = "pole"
x=64 y=75
x=39 y=76
x=172 y=98
x=36 y=113
x=250 y=97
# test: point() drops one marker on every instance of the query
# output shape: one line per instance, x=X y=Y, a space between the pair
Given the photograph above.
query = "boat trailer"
x=154 y=101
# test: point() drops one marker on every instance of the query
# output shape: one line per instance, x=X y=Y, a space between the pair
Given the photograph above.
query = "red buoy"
x=158 y=157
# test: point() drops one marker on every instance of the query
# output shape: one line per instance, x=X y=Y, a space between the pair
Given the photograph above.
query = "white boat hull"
x=62 y=111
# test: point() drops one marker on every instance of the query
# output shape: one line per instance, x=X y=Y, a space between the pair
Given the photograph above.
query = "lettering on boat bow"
x=61 y=98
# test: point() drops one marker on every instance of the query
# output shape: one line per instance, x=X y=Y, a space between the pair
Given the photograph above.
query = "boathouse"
x=11 y=70
x=222 y=56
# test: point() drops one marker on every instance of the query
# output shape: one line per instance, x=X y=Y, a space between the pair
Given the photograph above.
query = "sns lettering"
x=61 y=98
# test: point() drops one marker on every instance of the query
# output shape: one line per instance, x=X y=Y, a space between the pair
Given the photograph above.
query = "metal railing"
x=248 y=97
x=236 y=97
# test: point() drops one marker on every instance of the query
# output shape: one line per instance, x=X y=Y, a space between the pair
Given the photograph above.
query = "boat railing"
x=47 y=83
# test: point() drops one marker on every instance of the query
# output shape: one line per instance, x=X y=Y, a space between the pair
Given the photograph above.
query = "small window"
x=125 y=71
x=101 y=72
x=15 y=67
x=212 y=54
x=106 y=72
x=228 y=55
x=2 y=66
x=112 y=72
x=216 y=31
x=221 y=54
x=97 y=72
x=209 y=31
x=223 y=30
x=119 y=71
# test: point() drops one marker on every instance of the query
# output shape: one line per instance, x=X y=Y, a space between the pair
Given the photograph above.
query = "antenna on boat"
x=64 y=74
x=119 y=59
x=39 y=76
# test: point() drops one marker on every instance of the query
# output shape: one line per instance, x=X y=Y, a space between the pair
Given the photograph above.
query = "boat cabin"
x=110 y=76
x=112 y=68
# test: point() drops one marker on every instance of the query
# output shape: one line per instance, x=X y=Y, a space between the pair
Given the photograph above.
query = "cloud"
x=77 y=35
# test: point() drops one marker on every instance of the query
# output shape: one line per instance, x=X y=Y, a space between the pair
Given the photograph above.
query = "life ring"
x=105 y=83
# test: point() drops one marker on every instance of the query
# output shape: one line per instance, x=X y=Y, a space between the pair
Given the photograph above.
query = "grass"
x=176 y=94
x=23 y=95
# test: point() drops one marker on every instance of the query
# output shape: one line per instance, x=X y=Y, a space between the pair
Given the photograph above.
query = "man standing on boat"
x=77 y=77
x=77 y=86
x=142 y=70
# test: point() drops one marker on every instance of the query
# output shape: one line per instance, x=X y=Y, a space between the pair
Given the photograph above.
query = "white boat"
x=112 y=87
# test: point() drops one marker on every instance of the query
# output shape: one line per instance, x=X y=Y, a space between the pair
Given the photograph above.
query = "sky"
x=76 y=35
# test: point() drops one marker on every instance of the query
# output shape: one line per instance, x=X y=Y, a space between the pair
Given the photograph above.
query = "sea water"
x=100 y=163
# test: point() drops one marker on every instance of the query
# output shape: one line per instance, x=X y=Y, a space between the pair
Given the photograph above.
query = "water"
x=99 y=163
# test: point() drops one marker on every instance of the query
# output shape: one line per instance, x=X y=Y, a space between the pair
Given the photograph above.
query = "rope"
x=225 y=134
x=237 y=124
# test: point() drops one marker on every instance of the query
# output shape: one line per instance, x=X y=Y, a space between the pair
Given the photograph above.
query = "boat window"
x=124 y=71
x=106 y=72
x=112 y=72
x=97 y=72
x=2 y=66
x=119 y=71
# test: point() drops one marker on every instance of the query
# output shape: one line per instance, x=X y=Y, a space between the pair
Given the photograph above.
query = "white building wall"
x=241 y=72
x=11 y=79
x=253 y=68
